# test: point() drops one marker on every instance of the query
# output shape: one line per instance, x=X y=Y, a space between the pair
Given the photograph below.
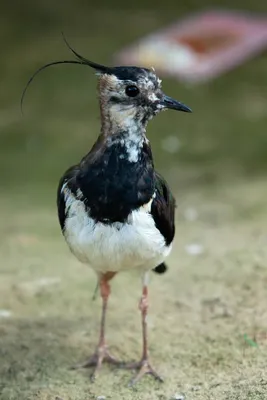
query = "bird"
x=116 y=212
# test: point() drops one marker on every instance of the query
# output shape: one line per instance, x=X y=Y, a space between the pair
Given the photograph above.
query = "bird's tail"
x=160 y=269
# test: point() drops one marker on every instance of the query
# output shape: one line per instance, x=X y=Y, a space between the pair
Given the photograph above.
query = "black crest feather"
x=81 y=61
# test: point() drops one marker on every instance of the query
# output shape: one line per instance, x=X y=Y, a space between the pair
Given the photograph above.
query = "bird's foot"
x=144 y=367
x=100 y=356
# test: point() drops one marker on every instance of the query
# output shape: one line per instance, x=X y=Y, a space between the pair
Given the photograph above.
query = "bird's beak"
x=168 y=102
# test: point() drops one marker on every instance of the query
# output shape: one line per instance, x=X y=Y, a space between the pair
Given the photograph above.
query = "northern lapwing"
x=115 y=211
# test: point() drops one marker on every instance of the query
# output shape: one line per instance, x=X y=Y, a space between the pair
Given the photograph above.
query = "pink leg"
x=143 y=365
x=102 y=353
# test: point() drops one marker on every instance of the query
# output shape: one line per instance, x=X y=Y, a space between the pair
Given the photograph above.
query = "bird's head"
x=133 y=92
x=128 y=94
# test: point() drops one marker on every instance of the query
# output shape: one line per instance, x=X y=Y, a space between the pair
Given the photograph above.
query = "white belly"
x=137 y=244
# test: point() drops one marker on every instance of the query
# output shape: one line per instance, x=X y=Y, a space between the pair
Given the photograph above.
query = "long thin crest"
x=98 y=67
x=37 y=72
x=82 y=61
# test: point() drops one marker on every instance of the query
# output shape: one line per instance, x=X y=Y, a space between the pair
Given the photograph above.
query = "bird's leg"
x=101 y=354
x=143 y=366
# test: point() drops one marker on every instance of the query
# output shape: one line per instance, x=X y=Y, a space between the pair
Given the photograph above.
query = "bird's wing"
x=163 y=209
x=68 y=178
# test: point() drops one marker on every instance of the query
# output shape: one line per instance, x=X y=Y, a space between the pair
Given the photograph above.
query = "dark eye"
x=132 y=91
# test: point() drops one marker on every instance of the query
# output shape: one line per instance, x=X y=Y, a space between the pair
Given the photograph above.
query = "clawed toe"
x=96 y=360
x=90 y=362
x=144 y=368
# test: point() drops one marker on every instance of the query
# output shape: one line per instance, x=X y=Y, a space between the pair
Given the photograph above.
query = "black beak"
x=172 y=104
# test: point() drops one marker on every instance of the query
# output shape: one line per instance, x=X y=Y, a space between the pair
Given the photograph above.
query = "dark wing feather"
x=70 y=177
x=163 y=209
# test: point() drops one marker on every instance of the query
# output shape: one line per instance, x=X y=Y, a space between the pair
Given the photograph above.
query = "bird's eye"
x=132 y=90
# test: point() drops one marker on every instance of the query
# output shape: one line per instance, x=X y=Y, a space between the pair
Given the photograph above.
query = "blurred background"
x=215 y=160
x=224 y=139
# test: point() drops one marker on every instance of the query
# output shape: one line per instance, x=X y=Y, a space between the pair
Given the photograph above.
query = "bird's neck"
x=125 y=128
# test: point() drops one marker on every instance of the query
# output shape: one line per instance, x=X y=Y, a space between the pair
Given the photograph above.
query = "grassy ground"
x=207 y=325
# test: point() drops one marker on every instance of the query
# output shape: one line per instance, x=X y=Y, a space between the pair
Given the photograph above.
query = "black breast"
x=112 y=186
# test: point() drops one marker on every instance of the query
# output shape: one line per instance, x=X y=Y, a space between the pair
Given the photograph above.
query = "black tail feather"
x=160 y=269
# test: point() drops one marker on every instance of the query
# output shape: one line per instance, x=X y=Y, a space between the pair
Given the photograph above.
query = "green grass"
x=207 y=326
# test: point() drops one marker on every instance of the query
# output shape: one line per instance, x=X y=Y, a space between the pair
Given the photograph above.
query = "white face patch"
x=152 y=97
x=122 y=113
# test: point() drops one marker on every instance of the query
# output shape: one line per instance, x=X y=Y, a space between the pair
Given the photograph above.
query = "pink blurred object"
x=201 y=47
